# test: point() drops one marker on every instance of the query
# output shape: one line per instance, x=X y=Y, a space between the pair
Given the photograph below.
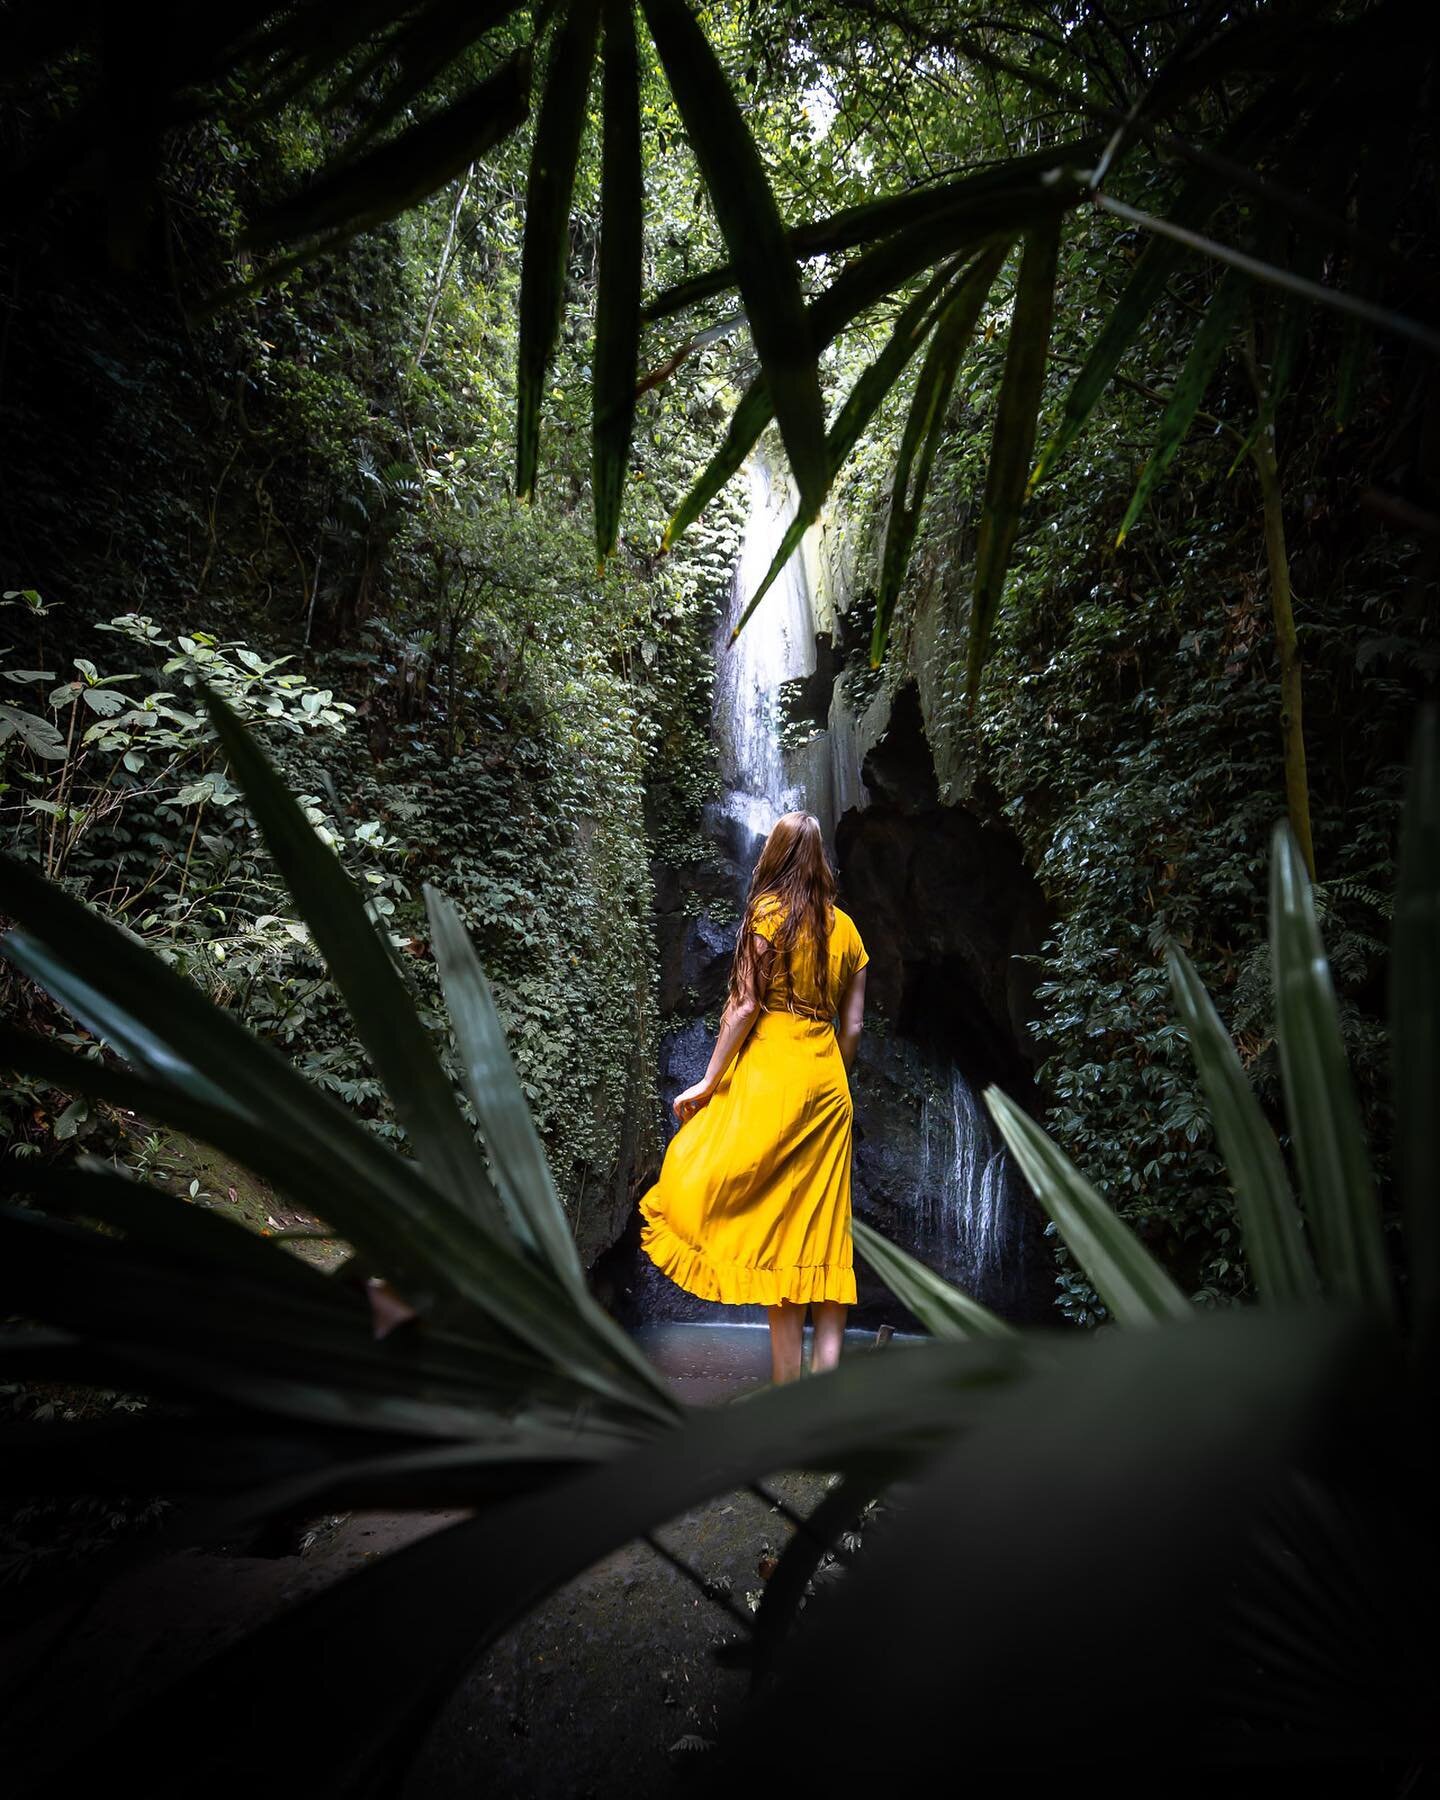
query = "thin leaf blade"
x=617 y=302
x=860 y=406
x=1414 y=1009
x=1336 y=1186
x=553 y=159
x=363 y=969
x=1271 y=1225
x=1125 y=1275
x=924 y=427
x=940 y=1307
x=764 y=264
x=1016 y=416
x=1206 y=349
x=517 y=1157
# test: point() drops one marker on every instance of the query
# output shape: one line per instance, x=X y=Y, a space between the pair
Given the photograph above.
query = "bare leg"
x=829 y=1318
x=787 y=1333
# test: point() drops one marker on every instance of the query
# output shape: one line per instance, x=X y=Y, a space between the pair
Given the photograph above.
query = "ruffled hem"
x=741 y=1284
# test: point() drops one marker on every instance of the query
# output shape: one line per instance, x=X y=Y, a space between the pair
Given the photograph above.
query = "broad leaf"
x=1119 y=1267
x=356 y=1639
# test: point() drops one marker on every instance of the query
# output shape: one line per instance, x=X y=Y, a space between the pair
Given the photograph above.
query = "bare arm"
x=735 y=1024
x=851 y=1018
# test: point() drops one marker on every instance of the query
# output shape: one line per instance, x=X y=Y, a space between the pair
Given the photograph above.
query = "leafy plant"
x=476 y=72
x=504 y=1388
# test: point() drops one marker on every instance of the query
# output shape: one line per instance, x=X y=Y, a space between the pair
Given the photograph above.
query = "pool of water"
x=707 y=1361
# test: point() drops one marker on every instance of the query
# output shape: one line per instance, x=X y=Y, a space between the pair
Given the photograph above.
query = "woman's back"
x=794 y=985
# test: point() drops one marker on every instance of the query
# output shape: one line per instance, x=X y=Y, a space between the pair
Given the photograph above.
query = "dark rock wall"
x=946 y=906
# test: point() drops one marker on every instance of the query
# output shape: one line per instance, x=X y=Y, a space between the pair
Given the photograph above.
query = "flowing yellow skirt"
x=753 y=1202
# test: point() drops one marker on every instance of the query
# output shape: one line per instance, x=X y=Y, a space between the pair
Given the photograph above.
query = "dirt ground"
x=609 y=1688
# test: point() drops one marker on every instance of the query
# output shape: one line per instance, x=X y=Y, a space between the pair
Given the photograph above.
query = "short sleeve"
x=767 y=919
x=859 y=955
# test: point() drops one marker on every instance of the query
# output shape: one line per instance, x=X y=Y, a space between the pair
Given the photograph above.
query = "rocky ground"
x=610 y=1688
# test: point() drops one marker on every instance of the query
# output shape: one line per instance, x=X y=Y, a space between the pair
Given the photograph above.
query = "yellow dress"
x=753 y=1202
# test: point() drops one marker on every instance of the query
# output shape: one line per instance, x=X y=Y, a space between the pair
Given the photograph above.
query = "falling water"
x=964 y=1225
x=777 y=645
x=965 y=1214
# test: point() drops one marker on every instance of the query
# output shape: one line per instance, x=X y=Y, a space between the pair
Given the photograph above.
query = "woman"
x=753 y=1201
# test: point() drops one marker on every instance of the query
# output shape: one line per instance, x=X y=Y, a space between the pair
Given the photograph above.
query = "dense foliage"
x=322 y=472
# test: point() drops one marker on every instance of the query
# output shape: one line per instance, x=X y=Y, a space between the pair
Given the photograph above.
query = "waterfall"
x=943 y=1192
x=963 y=1178
x=777 y=645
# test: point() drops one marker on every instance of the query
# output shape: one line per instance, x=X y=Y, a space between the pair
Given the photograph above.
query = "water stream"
x=776 y=646
x=967 y=1212
x=965 y=1218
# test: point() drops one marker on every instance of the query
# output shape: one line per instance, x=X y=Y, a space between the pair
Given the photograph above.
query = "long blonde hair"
x=794 y=870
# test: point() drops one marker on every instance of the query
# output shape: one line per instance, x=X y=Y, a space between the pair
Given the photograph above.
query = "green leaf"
x=963 y=205
x=1336 y=1186
x=1013 y=442
x=872 y=278
x=210 y=1075
x=940 y=1307
x=924 y=427
x=860 y=406
x=1194 y=204
x=617 y=302
x=517 y=1156
x=1271 y=1225
x=1216 y=330
x=754 y=233
x=423 y=48
x=553 y=159
x=749 y=419
x=1136 y=1475
x=204 y=1326
x=1414 y=1036
x=160 y=1221
x=1122 y=1271
x=376 y=1692
x=362 y=967
x=365 y=191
